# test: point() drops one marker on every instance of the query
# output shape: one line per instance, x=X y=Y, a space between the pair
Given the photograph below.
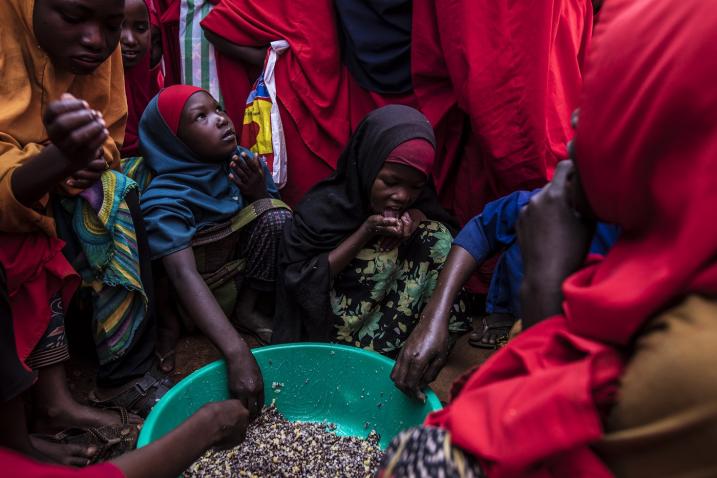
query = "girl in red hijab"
x=615 y=373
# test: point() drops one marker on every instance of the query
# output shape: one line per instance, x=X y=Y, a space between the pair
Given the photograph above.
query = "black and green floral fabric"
x=377 y=300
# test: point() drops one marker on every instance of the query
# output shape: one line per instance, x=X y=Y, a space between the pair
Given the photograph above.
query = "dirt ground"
x=195 y=351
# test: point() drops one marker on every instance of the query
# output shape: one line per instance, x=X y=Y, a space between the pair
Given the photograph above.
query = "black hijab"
x=334 y=209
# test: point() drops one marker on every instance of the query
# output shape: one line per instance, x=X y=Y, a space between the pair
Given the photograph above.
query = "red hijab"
x=140 y=84
x=647 y=155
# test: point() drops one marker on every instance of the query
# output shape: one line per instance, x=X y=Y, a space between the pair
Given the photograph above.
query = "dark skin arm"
x=551 y=218
x=247 y=54
x=426 y=350
x=220 y=423
x=245 y=380
x=76 y=134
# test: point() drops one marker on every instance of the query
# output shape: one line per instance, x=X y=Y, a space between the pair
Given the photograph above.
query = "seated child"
x=37 y=283
x=218 y=423
x=493 y=232
x=50 y=48
x=362 y=255
x=214 y=221
x=489 y=233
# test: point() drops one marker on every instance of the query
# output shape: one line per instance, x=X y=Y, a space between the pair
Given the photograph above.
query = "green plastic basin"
x=348 y=386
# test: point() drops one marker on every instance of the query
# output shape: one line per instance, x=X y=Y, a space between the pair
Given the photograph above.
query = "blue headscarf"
x=186 y=194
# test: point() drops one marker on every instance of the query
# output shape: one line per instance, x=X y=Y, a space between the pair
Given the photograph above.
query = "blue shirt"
x=493 y=231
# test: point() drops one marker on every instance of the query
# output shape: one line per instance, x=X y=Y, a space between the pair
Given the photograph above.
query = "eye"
x=200 y=116
x=69 y=18
x=220 y=109
x=142 y=27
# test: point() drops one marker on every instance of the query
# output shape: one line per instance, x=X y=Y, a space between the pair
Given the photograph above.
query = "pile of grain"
x=276 y=447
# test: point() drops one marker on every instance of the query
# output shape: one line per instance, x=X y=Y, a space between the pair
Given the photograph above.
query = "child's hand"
x=87 y=176
x=248 y=174
x=229 y=418
x=75 y=129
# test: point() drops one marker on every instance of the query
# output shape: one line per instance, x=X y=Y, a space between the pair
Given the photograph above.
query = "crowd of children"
x=357 y=172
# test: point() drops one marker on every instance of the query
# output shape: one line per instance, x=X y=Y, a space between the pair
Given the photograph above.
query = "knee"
x=273 y=221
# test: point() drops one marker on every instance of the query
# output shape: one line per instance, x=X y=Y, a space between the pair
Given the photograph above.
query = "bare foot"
x=71 y=455
x=56 y=409
x=55 y=419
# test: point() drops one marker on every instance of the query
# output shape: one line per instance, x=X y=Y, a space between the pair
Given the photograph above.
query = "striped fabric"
x=135 y=169
x=110 y=262
x=198 y=63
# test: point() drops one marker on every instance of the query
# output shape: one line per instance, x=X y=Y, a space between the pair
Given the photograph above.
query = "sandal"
x=139 y=396
x=110 y=440
x=498 y=325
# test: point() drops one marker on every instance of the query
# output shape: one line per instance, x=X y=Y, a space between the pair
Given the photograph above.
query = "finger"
x=242 y=175
x=399 y=372
x=98 y=165
x=80 y=183
x=256 y=165
x=73 y=120
x=87 y=174
x=64 y=106
x=560 y=177
x=236 y=180
x=414 y=374
x=90 y=136
x=243 y=166
x=433 y=370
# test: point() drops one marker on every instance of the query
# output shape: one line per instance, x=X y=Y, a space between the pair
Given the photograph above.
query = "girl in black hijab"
x=362 y=255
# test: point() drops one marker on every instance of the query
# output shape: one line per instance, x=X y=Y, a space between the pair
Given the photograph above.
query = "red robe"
x=498 y=80
x=319 y=101
x=36 y=271
x=646 y=150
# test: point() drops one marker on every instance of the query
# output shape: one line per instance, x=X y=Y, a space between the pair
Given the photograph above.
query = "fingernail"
x=106 y=131
x=85 y=104
x=102 y=122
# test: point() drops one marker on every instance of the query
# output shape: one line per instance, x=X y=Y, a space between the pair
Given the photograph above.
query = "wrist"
x=235 y=352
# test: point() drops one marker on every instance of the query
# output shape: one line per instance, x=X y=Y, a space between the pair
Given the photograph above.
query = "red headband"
x=416 y=153
x=171 y=102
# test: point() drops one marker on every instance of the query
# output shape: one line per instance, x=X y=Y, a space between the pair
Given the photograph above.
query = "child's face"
x=78 y=35
x=396 y=188
x=206 y=129
x=136 y=36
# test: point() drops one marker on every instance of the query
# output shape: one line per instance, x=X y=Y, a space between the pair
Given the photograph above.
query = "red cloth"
x=140 y=84
x=168 y=12
x=36 y=271
x=171 y=102
x=320 y=103
x=498 y=79
x=14 y=464
x=647 y=156
x=416 y=153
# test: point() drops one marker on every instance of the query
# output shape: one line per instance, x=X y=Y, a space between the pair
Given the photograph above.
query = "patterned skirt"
x=427 y=453
x=378 y=298
x=241 y=253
